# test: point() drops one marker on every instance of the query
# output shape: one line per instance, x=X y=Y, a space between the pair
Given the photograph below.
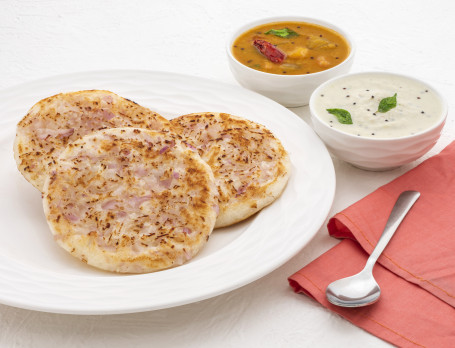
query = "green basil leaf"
x=285 y=32
x=342 y=115
x=387 y=103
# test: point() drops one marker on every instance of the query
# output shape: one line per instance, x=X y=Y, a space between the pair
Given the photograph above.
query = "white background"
x=43 y=38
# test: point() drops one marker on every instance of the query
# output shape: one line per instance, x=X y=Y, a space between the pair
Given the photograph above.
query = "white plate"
x=37 y=274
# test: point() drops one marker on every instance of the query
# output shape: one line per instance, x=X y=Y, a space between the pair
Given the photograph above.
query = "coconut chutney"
x=411 y=106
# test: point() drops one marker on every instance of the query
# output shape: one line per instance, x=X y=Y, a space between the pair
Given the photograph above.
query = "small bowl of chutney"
x=286 y=58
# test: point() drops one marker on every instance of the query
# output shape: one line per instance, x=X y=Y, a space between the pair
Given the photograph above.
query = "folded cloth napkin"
x=416 y=271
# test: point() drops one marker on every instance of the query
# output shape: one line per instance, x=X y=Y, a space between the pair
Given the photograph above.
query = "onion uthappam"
x=250 y=165
x=130 y=200
x=54 y=122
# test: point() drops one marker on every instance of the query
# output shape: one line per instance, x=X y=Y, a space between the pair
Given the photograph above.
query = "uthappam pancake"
x=54 y=122
x=250 y=165
x=130 y=200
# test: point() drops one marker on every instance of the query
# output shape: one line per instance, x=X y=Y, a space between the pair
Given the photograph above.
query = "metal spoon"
x=361 y=289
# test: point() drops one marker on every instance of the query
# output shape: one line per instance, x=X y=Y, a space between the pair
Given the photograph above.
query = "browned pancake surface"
x=54 y=122
x=249 y=163
x=130 y=200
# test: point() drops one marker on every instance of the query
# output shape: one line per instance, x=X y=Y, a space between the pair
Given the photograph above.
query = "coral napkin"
x=416 y=272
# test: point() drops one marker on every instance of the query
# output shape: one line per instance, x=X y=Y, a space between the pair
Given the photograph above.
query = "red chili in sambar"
x=290 y=48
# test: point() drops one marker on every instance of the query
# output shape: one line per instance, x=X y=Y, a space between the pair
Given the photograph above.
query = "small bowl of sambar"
x=286 y=58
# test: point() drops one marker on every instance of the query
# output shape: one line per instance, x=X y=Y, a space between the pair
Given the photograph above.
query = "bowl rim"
x=285 y=18
x=442 y=99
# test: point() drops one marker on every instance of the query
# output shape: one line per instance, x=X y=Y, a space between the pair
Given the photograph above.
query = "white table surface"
x=49 y=37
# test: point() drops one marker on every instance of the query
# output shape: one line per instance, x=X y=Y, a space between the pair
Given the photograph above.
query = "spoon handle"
x=404 y=202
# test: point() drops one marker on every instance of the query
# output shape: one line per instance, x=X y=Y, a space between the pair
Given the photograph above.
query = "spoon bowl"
x=356 y=291
x=361 y=289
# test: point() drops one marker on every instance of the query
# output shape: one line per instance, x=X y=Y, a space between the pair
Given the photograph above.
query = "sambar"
x=290 y=48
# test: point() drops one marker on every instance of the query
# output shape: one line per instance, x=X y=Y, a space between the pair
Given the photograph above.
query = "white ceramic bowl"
x=288 y=90
x=377 y=153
